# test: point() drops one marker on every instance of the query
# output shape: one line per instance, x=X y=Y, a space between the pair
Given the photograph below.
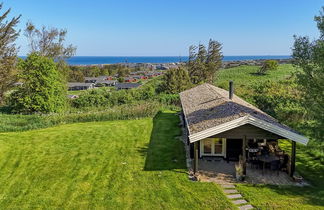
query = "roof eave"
x=248 y=120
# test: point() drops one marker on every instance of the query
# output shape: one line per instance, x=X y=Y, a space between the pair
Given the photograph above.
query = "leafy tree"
x=123 y=71
x=104 y=71
x=8 y=51
x=214 y=59
x=95 y=71
x=203 y=64
x=281 y=100
x=193 y=66
x=120 y=79
x=268 y=65
x=175 y=81
x=76 y=76
x=202 y=54
x=43 y=90
x=309 y=57
x=48 y=42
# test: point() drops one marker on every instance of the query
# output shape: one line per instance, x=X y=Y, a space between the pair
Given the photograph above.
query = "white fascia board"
x=248 y=120
x=218 y=129
x=278 y=130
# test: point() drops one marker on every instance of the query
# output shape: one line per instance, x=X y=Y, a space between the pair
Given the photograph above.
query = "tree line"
x=78 y=73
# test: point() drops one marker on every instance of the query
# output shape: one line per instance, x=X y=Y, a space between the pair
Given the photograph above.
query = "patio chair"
x=284 y=163
x=278 y=151
x=275 y=166
x=271 y=147
x=264 y=151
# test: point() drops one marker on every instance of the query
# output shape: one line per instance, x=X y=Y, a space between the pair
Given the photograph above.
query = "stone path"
x=235 y=196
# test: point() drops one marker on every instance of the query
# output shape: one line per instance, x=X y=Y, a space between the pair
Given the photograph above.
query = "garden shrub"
x=267 y=66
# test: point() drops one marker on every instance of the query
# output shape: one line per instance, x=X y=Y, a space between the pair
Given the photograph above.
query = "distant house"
x=95 y=79
x=73 y=96
x=91 y=79
x=129 y=79
x=101 y=81
x=153 y=74
x=138 y=77
x=219 y=124
x=125 y=86
x=107 y=83
x=162 y=67
x=80 y=86
x=158 y=73
x=150 y=75
x=109 y=78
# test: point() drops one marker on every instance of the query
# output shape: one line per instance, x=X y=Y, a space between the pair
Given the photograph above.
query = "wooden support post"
x=293 y=158
x=195 y=157
x=244 y=155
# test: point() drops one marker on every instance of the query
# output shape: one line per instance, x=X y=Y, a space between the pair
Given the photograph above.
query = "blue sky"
x=168 y=27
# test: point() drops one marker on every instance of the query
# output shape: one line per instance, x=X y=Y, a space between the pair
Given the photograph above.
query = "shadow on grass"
x=258 y=74
x=165 y=151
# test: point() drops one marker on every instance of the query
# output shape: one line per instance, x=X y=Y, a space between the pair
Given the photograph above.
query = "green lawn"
x=284 y=197
x=134 y=164
x=245 y=75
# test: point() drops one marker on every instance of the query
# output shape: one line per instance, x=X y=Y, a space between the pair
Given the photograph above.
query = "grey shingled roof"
x=127 y=85
x=76 y=84
x=207 y=106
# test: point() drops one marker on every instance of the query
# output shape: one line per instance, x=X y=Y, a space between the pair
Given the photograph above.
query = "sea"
x=93 y=60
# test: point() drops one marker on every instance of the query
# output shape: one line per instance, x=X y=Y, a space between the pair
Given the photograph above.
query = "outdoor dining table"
x=267 y=159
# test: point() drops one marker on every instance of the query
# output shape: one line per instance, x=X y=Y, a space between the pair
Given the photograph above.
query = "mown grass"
x=130 y=164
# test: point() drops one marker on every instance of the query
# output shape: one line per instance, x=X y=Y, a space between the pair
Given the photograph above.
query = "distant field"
x=134 y=164
x=244 y=77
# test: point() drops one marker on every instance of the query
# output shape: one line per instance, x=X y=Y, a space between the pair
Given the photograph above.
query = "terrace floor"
x=220 y=171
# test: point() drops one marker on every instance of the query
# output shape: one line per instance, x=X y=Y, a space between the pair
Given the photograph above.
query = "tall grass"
x=11 y=123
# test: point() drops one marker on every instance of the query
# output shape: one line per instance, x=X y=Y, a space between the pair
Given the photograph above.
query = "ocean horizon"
x=93 y=60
